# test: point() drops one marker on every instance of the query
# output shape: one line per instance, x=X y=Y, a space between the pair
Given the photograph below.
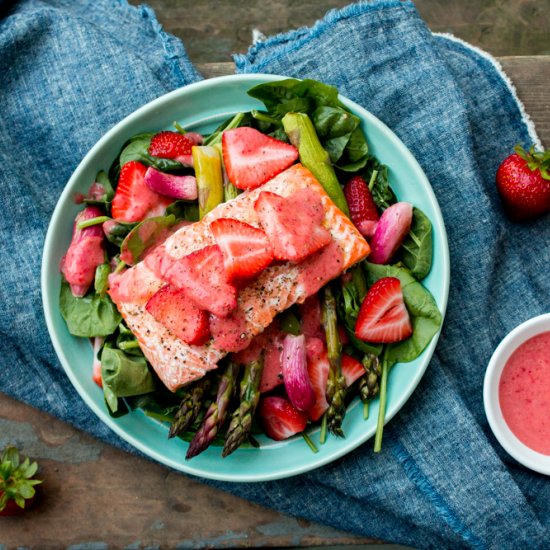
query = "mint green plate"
x=201 y=107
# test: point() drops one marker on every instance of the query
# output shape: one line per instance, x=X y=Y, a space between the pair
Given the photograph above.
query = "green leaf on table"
x=92 y=315
x=417 y=248
x=144 y=235
x=425 y=316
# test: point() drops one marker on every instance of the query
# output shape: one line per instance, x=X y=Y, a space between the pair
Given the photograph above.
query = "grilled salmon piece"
x=275 y=289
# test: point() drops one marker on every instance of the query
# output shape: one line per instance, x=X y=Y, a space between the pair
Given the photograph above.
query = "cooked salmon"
x=275 y=289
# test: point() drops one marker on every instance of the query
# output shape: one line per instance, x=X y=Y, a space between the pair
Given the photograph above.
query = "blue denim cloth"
x=68 y=74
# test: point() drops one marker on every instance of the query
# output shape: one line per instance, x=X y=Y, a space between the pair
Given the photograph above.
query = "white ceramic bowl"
x=513 y=446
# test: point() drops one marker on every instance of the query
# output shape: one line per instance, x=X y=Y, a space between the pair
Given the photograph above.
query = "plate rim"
x=345 y=445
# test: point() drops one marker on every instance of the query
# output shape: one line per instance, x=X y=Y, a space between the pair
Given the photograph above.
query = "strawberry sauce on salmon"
x=275 y=289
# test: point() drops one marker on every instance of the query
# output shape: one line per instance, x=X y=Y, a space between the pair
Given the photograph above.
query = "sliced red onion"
x=96 y=369
x=393 y=226
x=169 y=185
x=85 y=253
x=297 y=383
x=195 y=137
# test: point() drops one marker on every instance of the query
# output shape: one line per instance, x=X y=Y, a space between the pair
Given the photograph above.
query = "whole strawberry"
x=16 y=482
x=523 y=181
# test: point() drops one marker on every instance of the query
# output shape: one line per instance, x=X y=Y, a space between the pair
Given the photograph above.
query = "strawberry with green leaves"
x=16 y=482
x=523 y=181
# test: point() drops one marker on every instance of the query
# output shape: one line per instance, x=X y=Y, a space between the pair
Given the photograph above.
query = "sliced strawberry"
x=202 y=275
x=252 y=158
x=179 y=315
x=96 y=375
x=246 y=249
x=133 y=200
x=310 y=317
x=362 y=207
x=170 y=145
x=352 y=369
x=383 y=317
x=280 y=418
x=293 y=224
x=317 y=368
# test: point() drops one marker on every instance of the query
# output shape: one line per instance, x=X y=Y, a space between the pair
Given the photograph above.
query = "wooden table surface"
x=86 y=480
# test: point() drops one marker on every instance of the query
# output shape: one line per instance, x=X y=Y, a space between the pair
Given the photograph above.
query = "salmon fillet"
x=274 y=290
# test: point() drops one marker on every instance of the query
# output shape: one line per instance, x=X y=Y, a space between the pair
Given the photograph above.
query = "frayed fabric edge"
x=291 y=40
x=174 y=50
x=526 y=119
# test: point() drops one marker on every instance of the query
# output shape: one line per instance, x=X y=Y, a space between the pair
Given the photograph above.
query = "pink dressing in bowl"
x=524 y=393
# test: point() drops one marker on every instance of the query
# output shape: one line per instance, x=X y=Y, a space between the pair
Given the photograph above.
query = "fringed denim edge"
x=292 y=40
x=174 y=50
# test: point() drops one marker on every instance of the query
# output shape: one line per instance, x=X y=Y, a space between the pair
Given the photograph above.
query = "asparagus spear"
x=241 y=419
x=190 y=407
x=208 y=173
x=368 y=384
x=216 y=413
x=336 y=383
x=229 y=190
x=302 y=135
x=386 y=366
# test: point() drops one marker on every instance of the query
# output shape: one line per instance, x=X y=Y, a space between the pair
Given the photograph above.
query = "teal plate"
x=201 y=107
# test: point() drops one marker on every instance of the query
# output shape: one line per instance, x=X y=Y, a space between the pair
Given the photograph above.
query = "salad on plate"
x=257 y=279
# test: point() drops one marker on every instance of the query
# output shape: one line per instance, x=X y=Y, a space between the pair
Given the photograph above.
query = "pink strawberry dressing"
x=524 y=393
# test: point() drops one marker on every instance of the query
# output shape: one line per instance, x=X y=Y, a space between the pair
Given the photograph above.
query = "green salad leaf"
x=123 y=376
x=103 y=179
x=425 y=316
x=90 y=316
x=417 y=248
x=142 y=236
x=337 y=128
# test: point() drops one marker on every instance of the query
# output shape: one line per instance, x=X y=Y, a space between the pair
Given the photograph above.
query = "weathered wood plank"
x=99 y=497
x=530 y=76
x=212 y=30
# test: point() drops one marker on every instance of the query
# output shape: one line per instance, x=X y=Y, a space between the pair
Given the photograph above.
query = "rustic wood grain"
x=99 y=497
x=212 y=30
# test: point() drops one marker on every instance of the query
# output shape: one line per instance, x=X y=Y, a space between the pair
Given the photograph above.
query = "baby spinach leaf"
x=105 y=200
x=92 y=315
x=127 y=341
x=337 y=128
x=123 y=376
x=356 y=153
x=417 y=248
x=139 y=150
x=184 y=210
x=116 y=231
x=143 y=236
x=334 y=127
x=424 y=313
x=101 y=281
x=376 y=175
